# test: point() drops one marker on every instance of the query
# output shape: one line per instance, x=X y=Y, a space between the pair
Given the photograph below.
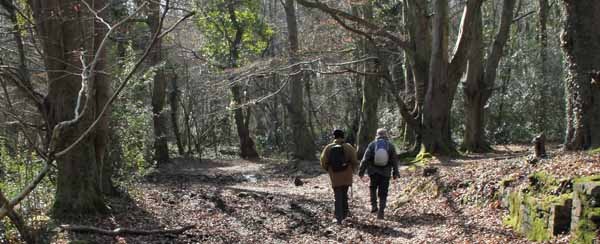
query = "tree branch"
x=338 y=15
x=124 y=231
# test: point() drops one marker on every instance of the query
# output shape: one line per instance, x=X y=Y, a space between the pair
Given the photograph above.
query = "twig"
x=123 y=84
x=124 y=231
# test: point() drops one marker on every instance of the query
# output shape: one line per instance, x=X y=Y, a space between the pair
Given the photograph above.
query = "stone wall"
x=545 y=208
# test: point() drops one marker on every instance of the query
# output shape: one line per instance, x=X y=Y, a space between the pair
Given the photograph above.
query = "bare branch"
x=124 y=231
x=120 y=88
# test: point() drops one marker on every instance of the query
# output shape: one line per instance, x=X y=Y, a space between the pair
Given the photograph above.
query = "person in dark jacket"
x=379 y=173
x=340 y=180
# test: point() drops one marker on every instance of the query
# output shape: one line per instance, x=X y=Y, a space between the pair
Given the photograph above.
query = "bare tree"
x=303 y=146
x=159 y=88
x=481 y=78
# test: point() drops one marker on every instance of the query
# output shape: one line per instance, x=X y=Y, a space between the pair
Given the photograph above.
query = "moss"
x=514 y=215
x=422 y=157
x=585 y=231
x=594 y=151
x=539 y=230
x=538 y=210
x=552 y=200
x=506 y=181
x=586 y=179
x=542 y=183
x=581 y=234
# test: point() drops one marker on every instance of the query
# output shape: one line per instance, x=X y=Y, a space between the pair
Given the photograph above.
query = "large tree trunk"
x=103 y=129
x=303 y=146
x=370 y=94
x=78 y=185
x=480 y=83
x=581 y=43
x=436 y=112
x=159 y=87
x=474 y=137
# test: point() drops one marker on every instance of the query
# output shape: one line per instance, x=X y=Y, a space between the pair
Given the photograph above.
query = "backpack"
x=381 y=156
x=337 y=158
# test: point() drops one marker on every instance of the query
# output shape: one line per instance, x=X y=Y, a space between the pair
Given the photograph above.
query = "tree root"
x=124 y=231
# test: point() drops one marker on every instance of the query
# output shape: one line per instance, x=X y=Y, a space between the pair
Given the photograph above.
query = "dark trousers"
x=379 y=187
x=341 y=202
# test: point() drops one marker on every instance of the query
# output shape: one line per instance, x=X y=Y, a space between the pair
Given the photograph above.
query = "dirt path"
x=246 y=202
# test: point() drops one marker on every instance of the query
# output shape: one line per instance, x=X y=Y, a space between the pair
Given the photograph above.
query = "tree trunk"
x=303 y=146
x=474 y=137
x=370 y=94
x=542 y=87
x=159 y=88
x=582 y=49
x=480 y=83
x=77 y=184
x=436 y=112
x=174 y=103
x=247 y=147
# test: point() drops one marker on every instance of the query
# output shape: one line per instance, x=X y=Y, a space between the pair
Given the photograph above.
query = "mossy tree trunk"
x=581 y=44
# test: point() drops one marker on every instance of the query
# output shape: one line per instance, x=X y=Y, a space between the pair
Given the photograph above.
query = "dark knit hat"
x=337 y=133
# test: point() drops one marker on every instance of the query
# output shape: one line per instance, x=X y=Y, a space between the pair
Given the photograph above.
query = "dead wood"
x=124 y=231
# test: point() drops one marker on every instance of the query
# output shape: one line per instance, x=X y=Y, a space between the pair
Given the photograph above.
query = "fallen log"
x=124 y=231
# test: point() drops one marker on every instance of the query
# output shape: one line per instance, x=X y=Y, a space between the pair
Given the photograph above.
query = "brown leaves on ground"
x=249 y=202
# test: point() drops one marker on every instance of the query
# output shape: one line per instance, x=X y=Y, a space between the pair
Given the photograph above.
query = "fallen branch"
x=124 y=231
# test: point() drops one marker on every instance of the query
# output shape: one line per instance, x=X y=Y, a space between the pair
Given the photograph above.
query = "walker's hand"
x=364 y=179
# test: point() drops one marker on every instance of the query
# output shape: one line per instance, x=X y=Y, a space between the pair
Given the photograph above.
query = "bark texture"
x=159 y=88
x=242 y=120
x=302 y=144
x=581 y=44
x=70 y=35
x=481 y=78
x=436 y=117
x=371 y=91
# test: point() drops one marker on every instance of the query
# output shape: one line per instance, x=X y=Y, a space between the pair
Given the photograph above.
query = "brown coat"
x=342 y=178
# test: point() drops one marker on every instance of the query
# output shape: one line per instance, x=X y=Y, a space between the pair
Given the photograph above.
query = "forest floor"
x=259 y=202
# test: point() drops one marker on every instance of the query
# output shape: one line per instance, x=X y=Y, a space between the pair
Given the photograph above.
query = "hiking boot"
x=374 y=209
x=380 y=215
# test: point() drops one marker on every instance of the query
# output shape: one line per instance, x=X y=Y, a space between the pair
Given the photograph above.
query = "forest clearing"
x=299 y=121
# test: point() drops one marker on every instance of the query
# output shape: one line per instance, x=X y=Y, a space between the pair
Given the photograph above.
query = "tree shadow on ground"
x=408 y=219
x=124 y=212
x=378 y=230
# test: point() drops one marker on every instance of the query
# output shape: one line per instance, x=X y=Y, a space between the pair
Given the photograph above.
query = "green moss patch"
x=595 y=151
x=537 y=211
